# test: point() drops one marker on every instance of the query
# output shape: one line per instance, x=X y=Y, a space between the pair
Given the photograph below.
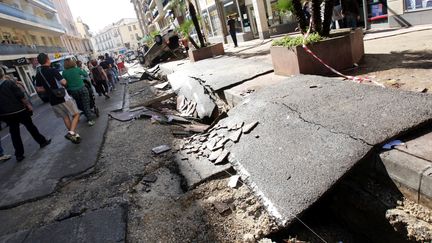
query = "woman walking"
x=76 y=88
x=100 y=78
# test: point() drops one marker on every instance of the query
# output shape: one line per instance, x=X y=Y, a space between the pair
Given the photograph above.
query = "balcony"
x=165 y=2
x=20 y=14
x=13 y=49
x=45 y=4
x=155 y=13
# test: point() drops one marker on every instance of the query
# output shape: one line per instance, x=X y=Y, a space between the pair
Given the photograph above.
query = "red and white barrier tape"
x=352 y=78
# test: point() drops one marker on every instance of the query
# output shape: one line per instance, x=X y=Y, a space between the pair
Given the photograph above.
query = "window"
x=137 y=36
x=417 y=4
x=134 y=27
x=129 y=27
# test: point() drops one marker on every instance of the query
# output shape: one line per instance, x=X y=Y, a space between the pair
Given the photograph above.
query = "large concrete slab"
x=38 y=175
x=419 y=147
x=220 y=72
x=312 y=130
x=105 y=225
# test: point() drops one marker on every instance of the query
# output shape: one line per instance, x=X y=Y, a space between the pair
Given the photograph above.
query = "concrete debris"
x=233 y=181
x=235 y=136
x=221 y=207
x=222 y=157
x=161 y=149
x=177 y=119
x=149 y=178
x=249 y=127
x=162 y=85
x=215 y=155
x=157 y=99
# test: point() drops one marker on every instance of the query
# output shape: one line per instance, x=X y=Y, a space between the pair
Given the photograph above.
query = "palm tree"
x=318 y=26
x=194 y=18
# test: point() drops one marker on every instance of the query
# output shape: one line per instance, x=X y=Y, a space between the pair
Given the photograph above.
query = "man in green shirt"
x=76 y=88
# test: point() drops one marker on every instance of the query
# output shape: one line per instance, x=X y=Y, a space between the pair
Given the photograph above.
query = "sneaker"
x=47 y=142
x=91 y=123
x=20 y=158
x=74 y=138
x=5 y=157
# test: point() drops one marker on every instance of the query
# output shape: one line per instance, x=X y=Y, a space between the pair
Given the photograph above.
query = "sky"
x=99 y=13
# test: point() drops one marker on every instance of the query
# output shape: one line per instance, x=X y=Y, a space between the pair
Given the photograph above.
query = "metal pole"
x=240 y=15
x=365 y=14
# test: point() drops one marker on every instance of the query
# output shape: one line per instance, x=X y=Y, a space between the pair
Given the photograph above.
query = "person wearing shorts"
x=63 y=107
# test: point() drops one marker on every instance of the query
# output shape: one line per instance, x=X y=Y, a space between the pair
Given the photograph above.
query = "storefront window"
x=417 y=4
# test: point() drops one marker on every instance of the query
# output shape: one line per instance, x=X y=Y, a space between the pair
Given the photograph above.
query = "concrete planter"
x=206 y=52
x=340 y=52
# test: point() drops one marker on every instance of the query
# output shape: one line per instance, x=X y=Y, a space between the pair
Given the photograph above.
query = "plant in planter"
x=338 y=51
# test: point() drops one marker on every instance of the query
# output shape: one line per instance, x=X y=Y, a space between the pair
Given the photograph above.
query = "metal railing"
x=18 y=13
x=14 y=49
x=48 y=3
x=165 y=2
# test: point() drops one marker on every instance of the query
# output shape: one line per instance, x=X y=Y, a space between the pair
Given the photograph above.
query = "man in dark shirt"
x=47 y=79
x=113 y=66
x=351 y=12
x=108 y=70
x=15 y=109
x=232 y=29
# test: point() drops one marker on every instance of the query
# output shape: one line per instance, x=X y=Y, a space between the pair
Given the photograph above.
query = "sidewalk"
x=38 y=175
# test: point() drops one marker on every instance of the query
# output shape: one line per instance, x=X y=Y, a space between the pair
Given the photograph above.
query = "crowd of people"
x=70 y=93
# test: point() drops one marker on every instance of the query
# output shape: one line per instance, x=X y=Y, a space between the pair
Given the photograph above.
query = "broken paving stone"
x=222 y=157
x=214 y=155
x=233 y=181
x=149 y=178
x=235 y=136
x=221 y=207
x=249 y=127
x=161 y=149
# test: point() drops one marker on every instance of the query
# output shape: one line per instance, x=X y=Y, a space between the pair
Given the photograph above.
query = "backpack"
x=97 y=75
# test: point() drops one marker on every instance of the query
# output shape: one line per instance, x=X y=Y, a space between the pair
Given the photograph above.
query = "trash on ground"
x=221 y=207
x=393 y=144
x=161 y=149
x=222 y=157
x=149 y=178
x=161 y=85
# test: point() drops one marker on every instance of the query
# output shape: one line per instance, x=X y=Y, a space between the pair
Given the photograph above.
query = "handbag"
x=58 y=92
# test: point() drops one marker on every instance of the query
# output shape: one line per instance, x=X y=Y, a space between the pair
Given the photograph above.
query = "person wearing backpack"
x=99 y=78
x=15 y=110
x=51 y=81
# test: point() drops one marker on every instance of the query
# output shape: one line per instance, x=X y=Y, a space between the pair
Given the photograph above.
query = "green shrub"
x=293 y=41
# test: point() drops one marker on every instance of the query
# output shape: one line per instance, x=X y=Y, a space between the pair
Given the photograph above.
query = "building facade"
x=118 y=37
x=27 y=28
x=72 y=39
x=84 y=32
x=261 y=18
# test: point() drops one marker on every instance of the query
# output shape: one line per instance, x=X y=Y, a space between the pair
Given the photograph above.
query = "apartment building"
x=130 y=32
x=153 y=15
x=28 y=27
x=71 y=39
x=118 y=37
x=84 y=31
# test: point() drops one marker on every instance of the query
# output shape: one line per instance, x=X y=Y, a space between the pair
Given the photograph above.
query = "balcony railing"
x=47 y=2
x=155 y=14
x=165 y=2
x=13 y=49
x=18 y=13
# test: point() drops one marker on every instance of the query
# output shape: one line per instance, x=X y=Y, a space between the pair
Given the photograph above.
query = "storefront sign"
x=20 y=61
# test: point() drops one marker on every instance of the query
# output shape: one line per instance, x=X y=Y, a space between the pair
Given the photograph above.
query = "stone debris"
x=235 y=137
x=161 y=149
x=162 y=85
x=222 y=157
x=221 y=207
x=249 y=127
x=233 y=181
x=149 y=178
x=215 y=155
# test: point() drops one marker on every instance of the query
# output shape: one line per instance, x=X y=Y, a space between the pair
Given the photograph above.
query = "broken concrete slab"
x=313 y=137
x=235 y=136
x=194 y=91
x=222 y=157
x=237 y=94
x=197 y=171
x=219 y=73
x=420 y=147
x=105 y=225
